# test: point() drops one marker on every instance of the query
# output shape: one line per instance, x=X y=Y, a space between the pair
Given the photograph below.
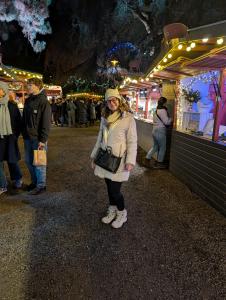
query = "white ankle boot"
x=110 y=216
x=121 y=218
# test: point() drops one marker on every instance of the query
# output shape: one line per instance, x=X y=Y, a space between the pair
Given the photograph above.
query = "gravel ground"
x=53 y=246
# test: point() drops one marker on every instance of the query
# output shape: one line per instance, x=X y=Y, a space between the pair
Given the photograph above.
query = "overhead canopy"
x=14 y=74
x=137 y=85
x=203 y=49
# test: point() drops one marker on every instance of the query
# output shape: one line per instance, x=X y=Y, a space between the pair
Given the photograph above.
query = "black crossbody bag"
x=106 y=160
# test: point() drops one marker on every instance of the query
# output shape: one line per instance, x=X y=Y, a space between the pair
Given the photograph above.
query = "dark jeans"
x=114 y=193
x=15 y=173
x=38 y=173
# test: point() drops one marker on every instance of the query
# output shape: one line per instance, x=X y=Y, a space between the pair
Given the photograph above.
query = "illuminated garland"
x=119 y=46
x=83 y=85
x=208 y=77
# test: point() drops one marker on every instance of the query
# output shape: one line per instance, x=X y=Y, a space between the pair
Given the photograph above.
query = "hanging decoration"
x=83 y=85
x=119 y=46
x=208 y=77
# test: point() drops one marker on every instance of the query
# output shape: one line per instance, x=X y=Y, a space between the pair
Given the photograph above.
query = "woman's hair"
x=161 y=102
x=123 y=107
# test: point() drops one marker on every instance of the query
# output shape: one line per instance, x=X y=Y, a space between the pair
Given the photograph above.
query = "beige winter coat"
x=122 y=138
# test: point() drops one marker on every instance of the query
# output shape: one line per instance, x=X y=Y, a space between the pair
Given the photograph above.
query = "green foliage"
x=191 y=95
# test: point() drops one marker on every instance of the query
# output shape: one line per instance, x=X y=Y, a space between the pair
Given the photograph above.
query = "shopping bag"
x=40 y=158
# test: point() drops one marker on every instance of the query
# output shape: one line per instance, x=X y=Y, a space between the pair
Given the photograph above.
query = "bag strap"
x=160 y=118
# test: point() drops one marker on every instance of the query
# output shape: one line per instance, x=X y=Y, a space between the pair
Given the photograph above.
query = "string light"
x=165 y=59
x=84 y=94
x=147 y=79
x=220 y=41
x=193 y=44
x=205 y=40
x=205 y=78
x=188 y=48
x=170 y=55
x=180 y=46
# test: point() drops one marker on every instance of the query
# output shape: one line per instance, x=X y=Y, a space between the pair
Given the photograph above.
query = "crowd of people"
x=75 y=112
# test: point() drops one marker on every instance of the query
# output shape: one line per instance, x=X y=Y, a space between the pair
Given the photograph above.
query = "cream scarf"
x=5 y=121
x=110 y=123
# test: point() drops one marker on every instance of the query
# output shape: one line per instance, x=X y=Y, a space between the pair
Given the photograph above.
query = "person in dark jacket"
x=92 y=112
x=64 y=119
x=54 y=109
x=10 y=128
x=83 y=114
x=36 y=127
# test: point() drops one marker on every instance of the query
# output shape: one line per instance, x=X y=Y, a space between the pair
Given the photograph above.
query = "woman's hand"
x=129 y=167
x=92 y=164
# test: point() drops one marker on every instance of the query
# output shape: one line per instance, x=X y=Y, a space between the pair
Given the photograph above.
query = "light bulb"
x=193 y=45
x=188 y=49
x=220 y=41
x=165 y=59
x=180 y=46
x=170 y=55
x=205 y=40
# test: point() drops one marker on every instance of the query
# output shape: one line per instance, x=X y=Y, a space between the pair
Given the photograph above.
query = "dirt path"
x=54 y=247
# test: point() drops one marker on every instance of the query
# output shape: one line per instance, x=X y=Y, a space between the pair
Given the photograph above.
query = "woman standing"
x=118 y=131
x=160 y=121
x=10 y=128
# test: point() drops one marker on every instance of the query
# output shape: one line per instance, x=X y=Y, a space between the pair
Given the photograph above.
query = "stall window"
x=221 y=118
x=197 y=104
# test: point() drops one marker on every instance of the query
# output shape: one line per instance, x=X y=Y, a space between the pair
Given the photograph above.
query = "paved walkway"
x=54 y=246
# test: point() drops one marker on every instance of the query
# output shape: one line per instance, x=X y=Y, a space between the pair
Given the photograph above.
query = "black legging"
x=114 y=193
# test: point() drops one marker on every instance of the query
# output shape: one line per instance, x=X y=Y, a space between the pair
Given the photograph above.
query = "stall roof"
x=204 y=50
x=84 y=95
x=10 y=74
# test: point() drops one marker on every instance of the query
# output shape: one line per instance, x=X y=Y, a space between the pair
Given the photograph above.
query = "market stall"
x=53 y=91
x=17 y=79
x=196 y=61
x=143 y=95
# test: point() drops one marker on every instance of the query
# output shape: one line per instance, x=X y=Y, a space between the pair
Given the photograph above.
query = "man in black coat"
x=10 y=128
x=36 y=127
